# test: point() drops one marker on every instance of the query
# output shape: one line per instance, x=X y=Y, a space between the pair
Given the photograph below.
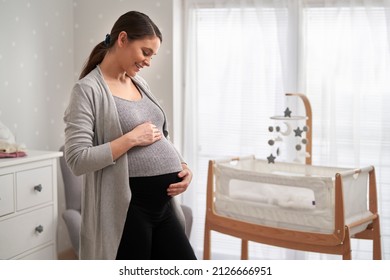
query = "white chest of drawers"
x=28 y=206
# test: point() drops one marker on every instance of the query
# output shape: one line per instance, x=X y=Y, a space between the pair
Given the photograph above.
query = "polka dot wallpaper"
x=44 y=44
x=36 y=62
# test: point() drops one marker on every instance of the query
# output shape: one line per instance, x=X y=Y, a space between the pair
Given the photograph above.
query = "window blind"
x=342 y=64
x=239 y=74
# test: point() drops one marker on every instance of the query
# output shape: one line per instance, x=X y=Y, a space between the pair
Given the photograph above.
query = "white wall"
x=44 y=44
x=36 y=62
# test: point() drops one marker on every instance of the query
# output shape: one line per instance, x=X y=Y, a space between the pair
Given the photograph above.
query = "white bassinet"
x=291 y=205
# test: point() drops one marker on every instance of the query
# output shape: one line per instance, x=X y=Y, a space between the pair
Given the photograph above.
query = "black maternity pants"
x=152 y=230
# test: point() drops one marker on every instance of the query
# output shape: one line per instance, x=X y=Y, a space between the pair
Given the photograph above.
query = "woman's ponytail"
x=95 y=58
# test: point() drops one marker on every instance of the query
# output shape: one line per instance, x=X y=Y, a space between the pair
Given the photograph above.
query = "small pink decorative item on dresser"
x=8 y=147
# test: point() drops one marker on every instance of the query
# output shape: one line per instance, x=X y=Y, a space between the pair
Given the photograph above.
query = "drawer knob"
x=38 y=188
x=39 y=229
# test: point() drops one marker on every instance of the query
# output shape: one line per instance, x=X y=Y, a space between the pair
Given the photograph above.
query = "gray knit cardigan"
x=92 y=121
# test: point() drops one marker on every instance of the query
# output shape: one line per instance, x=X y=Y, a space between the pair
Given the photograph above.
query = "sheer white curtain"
x=235 y=59
x=243 y=56
x=345 y=67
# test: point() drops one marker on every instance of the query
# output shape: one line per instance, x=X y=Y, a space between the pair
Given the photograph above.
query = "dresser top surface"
x=32 y=155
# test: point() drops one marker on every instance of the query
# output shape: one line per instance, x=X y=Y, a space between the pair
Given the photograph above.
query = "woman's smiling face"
x=137 y=54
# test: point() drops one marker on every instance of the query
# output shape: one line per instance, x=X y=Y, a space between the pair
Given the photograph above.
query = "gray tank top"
x=158 y=158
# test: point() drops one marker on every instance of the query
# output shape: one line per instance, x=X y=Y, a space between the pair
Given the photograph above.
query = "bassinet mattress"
x=287 y=195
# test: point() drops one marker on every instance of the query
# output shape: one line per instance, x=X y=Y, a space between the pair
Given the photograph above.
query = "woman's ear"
x=122 y=38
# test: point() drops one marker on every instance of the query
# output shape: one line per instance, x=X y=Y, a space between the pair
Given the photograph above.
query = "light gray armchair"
x=72 y=213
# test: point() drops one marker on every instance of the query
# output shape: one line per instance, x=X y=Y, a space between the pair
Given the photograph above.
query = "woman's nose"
x=147 y=62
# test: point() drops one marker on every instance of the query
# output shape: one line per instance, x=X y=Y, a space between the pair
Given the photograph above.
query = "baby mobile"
x=292 y=134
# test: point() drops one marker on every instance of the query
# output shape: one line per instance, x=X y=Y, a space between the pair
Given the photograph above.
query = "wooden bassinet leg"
x=376 y=240
x=373 y=205
x=244 y=249
x=347 y=245
x=209 y=211
x=206 y=243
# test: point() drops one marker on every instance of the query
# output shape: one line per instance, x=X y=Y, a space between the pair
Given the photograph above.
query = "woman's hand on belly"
x=178 y=188
x=145 y=134
x=142 y=135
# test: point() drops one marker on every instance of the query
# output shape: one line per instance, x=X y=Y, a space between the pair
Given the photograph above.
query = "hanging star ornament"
x=298 y=132
x=271 y=159
x=287 y=113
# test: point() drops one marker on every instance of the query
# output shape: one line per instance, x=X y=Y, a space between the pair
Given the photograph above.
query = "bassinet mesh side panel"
x=284 y=195
x=355 y=188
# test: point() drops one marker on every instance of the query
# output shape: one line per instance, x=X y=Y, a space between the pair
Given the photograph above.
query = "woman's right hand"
x=145 y=134
x=142 y=135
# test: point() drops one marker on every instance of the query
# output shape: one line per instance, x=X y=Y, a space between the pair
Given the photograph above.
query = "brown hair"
x=137 y=26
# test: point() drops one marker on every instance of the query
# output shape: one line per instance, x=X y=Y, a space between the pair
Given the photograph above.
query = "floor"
x=67 y=255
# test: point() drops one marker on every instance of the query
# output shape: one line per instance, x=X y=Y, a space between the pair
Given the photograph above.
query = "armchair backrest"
x=72 y=185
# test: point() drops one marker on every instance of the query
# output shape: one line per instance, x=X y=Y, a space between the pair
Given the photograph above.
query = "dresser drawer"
x=46 y=253
x=34 y=187
x=6 y=194
x=26 y=232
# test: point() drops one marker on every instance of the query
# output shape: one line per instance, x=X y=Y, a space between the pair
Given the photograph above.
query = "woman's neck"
x=111 y=70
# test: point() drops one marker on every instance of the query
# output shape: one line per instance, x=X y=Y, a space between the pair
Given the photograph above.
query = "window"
x=241 y=61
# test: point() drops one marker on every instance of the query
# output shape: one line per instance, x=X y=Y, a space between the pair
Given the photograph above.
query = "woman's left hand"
x=178 y=188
